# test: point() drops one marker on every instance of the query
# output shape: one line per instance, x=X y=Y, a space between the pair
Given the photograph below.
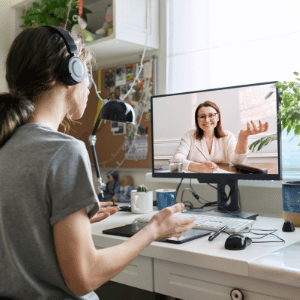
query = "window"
x=217 y=43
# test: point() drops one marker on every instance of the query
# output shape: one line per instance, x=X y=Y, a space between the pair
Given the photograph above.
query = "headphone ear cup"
x=73 y=71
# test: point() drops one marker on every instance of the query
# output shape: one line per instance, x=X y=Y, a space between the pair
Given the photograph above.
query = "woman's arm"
x=85 y=268
x=205 y=167
x=183 y=150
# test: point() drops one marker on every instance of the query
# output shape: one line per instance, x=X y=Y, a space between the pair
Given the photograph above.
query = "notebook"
x=130 y=229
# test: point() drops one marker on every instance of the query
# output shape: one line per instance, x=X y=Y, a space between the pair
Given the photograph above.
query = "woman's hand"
x=252 y=129
x=166 y=225
x=205 y=167
x=104 y=212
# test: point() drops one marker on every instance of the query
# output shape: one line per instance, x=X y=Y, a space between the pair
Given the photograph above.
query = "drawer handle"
x=236 y=294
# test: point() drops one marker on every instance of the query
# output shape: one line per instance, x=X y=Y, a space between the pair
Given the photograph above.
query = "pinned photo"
x=129 y=72
x=109 y=79
x=120 y=76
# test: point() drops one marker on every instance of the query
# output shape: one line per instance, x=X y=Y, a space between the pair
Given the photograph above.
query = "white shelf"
x=110 y=47
x=135 y=25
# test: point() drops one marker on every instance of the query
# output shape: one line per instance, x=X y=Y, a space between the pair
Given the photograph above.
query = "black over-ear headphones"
x=73 y=69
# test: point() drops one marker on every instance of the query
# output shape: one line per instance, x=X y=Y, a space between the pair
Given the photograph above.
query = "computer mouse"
x=237 y=242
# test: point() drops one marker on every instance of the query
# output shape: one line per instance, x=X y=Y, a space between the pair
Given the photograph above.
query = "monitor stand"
x=228 y=205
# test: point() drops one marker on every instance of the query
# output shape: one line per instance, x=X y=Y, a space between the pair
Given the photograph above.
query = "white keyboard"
x=207 y=222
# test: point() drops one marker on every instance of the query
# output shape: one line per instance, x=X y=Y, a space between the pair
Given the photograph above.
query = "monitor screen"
x=206 y=134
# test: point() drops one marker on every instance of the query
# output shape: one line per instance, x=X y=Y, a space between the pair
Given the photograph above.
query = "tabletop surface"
x=259 y=260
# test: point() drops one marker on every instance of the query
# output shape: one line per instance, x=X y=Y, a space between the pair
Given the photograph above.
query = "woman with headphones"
x=47 y=197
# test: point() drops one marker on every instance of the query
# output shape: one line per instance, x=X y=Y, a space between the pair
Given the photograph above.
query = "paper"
x=147 y=70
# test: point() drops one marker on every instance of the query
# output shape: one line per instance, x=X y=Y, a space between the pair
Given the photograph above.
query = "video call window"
x=174 y=124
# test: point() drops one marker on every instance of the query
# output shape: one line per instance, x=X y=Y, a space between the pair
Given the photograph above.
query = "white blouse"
x=191 y=149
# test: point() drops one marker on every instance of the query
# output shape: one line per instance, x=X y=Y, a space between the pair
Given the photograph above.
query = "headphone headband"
x=71 y=46
x=73 y=69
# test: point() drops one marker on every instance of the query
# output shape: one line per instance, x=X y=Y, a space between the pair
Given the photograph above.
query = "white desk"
x=201 y=269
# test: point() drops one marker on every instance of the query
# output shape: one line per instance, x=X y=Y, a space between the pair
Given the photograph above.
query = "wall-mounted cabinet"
x=135 y=25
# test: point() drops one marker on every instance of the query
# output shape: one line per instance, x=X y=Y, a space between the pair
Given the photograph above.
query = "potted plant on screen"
x=289 y=115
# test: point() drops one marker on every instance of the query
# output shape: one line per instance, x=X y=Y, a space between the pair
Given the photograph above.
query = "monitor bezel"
x=219 y=177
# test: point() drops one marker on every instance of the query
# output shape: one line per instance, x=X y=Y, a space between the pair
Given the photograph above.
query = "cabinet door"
x=139 y=274
x=136 y=21
x=189 y=283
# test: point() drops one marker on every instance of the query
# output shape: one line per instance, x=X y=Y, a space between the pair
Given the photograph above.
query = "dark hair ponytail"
x=33 y=66
x=14 y=112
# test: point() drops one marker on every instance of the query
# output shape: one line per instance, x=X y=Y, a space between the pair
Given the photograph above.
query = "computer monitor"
x=175 y=135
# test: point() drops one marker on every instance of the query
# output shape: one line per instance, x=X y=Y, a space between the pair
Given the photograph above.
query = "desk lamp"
x=113 y=110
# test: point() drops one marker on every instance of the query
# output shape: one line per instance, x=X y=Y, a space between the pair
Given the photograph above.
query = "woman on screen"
x=202 y=148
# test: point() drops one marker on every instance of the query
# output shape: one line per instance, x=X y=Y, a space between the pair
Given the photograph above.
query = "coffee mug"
x=141 y=202
x=165 y=198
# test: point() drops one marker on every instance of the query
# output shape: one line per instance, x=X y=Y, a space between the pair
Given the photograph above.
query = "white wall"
x=6 y=38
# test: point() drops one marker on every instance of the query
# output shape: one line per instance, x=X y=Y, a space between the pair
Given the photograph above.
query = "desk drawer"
x=139 y=274
x=189 y=283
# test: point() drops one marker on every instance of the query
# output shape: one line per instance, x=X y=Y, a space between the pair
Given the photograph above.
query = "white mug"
x=141 y=202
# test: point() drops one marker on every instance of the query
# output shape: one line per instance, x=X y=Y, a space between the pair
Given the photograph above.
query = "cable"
x=262 y=235
x=197 y=196
x=143 y=106
x=189 y=204
x=177 y=189
x=122 y=98
x=227 y=198
x=221 y=191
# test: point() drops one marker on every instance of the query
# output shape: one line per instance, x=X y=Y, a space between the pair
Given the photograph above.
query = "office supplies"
x=131 y=229
x=237 y=242
x=213 y=236
x=125 y=208
x=246 y=169
x=207 y=222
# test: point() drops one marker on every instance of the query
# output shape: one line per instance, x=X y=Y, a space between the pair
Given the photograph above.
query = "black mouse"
x=237 y=242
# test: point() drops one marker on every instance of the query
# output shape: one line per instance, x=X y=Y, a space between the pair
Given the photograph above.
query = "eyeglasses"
x=209 y=116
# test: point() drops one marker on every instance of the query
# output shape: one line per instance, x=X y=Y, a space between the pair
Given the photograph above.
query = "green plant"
x=142 y=188
x=289 y=113
x=52 y=12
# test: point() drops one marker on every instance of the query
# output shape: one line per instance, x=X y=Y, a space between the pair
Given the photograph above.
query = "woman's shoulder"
x=228 y=133
x=44 y=140
x=190 y=134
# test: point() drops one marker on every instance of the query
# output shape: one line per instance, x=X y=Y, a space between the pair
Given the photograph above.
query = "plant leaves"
x=269 y=95
x=264 y=141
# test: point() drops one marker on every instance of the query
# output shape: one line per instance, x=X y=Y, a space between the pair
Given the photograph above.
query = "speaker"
x=73 y=69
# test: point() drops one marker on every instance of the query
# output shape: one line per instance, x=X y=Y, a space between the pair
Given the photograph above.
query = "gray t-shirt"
x=44 y=176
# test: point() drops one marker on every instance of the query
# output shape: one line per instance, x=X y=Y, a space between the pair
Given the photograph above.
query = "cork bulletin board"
x=121 y=144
